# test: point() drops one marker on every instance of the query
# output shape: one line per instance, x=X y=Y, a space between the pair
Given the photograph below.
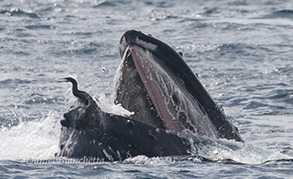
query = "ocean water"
x=242 y=51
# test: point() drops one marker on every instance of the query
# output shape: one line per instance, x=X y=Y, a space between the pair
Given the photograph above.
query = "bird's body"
x=86 y=101
x=81 y=95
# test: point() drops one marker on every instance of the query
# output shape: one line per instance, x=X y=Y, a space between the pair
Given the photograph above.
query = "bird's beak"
x=61 y=80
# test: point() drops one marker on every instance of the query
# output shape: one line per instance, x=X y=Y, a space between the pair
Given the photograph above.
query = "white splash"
x=31 y=140
x=144 y=160
x=107 y=105
x=222 y=149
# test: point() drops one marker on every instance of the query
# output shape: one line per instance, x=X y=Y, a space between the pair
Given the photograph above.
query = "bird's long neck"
x=81 y=95
x=75 y=90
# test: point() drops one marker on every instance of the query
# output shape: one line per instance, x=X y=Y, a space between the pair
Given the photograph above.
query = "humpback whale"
x=166 y=99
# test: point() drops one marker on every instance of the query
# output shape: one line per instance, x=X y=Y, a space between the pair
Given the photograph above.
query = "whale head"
x=165 y=98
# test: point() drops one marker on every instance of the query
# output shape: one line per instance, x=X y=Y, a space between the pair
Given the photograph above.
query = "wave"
x=283 y=14
x=39 y=26
x=11 y=83
x=144 y=160
x=18 y=12
x=110 y=3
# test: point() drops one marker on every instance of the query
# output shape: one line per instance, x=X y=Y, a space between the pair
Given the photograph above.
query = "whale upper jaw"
x=157 y=85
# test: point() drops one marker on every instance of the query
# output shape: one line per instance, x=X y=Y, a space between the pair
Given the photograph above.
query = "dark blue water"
x=242 y=51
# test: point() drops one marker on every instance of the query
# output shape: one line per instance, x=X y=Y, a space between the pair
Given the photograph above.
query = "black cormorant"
x=81 y=95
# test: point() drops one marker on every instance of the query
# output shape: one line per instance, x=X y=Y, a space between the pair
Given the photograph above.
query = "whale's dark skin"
x=166 y=98
x=89 y=132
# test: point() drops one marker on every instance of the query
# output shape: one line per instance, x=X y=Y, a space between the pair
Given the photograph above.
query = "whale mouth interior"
x=132 y=95
x=157 y=95
x=155 y=83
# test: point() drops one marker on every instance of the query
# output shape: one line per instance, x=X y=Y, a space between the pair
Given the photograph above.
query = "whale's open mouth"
x=156 y=84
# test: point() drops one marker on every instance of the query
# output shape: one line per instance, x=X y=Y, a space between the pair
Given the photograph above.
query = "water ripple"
x=241 y=50
x=19 y=13
x=286 y=13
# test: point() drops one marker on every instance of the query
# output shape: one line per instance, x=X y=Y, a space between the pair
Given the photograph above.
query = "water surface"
x=241 y=50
